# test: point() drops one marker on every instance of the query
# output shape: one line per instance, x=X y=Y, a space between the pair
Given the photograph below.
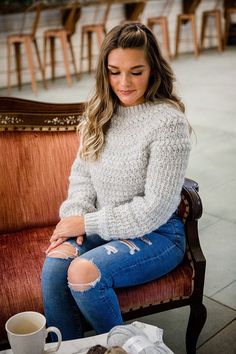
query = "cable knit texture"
x=135 y=185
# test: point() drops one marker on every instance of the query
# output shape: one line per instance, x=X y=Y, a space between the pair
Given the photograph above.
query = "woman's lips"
x=126 y=92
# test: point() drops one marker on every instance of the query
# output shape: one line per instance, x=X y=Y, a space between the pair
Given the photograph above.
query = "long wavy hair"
x=103 y=103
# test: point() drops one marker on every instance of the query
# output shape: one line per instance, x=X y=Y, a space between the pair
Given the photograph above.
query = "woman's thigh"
x=131 y=262
x=89 y=243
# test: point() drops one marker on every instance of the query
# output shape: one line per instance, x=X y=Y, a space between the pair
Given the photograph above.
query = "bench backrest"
x=38 y=143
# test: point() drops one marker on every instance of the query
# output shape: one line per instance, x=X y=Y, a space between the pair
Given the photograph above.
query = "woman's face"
x=129 y=74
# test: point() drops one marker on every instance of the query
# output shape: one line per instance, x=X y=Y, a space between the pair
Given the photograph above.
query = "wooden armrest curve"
x=190 y=193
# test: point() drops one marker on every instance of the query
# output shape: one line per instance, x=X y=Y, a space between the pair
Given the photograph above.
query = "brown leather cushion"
x=22 y=256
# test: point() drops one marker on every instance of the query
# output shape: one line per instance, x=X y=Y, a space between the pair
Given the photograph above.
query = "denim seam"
x=150 y=259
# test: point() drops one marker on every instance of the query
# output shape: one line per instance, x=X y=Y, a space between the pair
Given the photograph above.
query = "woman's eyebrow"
x=133 y=67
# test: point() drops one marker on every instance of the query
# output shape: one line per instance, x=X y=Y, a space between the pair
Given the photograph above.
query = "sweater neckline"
x=134 y=110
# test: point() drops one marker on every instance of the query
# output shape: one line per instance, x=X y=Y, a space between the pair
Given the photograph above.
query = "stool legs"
x=40 y=62
x=216 y=15
x=9 y=56
x=82 y=51
x=65 y=41
x=194 y=32
x=177 y=36
x=166 y=41
x=44 y=54
x=203 y=30
x=181 y=20
x=52 y=57
x=63 y=38
x=219 y=32
x=16 y=42
x=162 y=21
x=73 y=58
x=89 y=47
x=29 y=55
x=87 y=32
x=227 y=25
x=89 y=37
x=100 y=35
x=17 y=47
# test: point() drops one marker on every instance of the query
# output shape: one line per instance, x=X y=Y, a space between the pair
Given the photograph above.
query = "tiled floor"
x=207 y=86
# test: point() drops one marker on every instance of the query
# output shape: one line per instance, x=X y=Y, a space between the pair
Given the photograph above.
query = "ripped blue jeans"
x=120 y=263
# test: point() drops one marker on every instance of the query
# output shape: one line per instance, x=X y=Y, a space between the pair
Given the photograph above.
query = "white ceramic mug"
x=27 y=333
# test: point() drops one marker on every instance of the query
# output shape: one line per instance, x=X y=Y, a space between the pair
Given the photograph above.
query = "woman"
x=118 y=224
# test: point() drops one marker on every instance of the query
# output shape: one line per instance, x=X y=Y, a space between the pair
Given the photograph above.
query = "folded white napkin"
x=138 y=338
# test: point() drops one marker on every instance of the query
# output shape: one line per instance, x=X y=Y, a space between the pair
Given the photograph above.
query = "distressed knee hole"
x=63 y=251
x=83 y=275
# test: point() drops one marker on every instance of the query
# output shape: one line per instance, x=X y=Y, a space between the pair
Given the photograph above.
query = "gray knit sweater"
x=134 y=186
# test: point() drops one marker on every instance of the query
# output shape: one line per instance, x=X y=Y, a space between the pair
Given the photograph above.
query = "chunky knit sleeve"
x=168 y=157
x=81 y=194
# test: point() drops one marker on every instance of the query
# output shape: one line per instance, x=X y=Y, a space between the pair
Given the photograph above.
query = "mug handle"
x=58 y=333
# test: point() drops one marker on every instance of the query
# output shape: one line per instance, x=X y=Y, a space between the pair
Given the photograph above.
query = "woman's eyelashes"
x=118 y=73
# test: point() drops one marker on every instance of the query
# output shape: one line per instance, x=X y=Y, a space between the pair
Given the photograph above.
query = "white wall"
x=11 y=23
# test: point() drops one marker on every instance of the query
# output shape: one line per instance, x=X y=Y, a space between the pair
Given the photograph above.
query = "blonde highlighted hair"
x=100 y=108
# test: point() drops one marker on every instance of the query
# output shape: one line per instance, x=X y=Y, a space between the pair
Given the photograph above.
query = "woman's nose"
x=125 y=80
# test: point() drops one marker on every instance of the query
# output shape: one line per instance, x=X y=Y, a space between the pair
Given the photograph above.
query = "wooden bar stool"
x=183 y=19
x=26 y=40
x=216 y=15
x=96 y=28
x=228 y=21
x=188 y=16
x=70 y=16
x=162 y=21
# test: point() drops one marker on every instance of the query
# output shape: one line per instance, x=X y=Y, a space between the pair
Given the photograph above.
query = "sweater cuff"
x=92 y=223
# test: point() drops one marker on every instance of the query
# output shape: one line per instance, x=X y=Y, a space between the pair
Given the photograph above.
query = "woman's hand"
x=70 y=226
x=54 y=244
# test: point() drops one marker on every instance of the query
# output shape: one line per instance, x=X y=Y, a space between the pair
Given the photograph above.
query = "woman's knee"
x=82 y=274
x=64 y=251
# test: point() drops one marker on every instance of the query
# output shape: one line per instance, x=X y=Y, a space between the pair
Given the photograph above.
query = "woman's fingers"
x=57 y=234
x=70 y=226
x=55 y=237
x=79 y=240
x=66 y=228
x=54 y=244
